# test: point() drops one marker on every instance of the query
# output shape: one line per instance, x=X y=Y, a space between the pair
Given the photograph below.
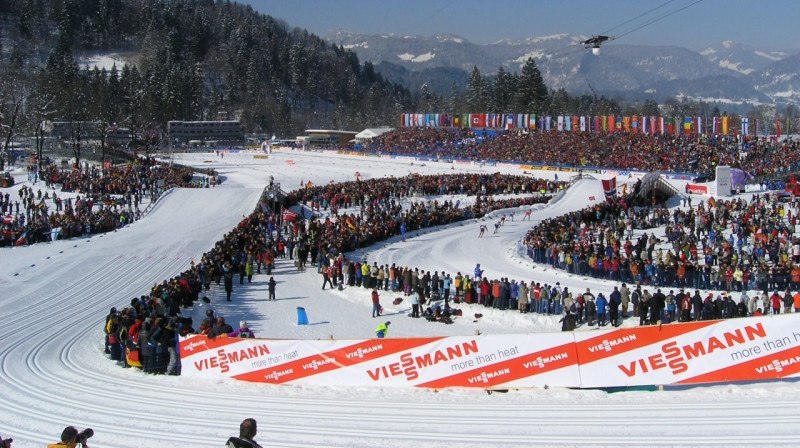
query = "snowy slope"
x=53 y=373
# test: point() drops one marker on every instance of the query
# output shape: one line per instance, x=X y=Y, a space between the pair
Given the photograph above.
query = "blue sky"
x=764 y=24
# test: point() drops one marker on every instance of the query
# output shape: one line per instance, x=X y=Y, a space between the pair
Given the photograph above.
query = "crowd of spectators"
x=106 y=199
x=619 y=150
x=724 y=245
x=262 y=237
x=381 y=215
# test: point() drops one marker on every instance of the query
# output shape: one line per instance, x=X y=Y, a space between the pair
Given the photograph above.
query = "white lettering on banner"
x=316 y=364
x=409 y=364
x=777 y=365
x=676 y=357
x=484 y=377
x=277 y=374
x=191 y=346
x=364 y=351
x=223 y=358
x=543 y=361
x=606 y=344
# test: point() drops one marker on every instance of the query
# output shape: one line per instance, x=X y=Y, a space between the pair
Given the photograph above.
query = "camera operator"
x=70 y=437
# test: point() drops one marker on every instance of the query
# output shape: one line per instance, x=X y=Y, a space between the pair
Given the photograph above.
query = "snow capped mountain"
x=741 y=58
x=781 y=79
x=728 y=71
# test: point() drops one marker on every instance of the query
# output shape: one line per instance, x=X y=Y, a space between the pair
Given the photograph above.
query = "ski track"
x=54 y=373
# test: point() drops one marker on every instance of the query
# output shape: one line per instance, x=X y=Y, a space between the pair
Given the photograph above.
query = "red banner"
x=746 y=349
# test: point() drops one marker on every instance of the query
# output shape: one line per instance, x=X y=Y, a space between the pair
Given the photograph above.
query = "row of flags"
x=725 y=125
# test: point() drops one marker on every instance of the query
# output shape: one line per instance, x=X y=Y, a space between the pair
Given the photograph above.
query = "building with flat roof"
x=207 y=131
x=320 y=138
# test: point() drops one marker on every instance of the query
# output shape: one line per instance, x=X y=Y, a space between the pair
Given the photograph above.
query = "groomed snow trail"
x=53 y=373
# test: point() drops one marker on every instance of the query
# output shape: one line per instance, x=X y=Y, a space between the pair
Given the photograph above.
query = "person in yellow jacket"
x=382 y=330
x=70 y=437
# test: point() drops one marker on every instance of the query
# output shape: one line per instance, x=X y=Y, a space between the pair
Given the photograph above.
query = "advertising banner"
x=723 y=181
x=744 y=349
x=697 y=189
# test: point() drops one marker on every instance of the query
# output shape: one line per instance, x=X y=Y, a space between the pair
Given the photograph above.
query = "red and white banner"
x=746 y=349
x=697 y=189
x=289 y=215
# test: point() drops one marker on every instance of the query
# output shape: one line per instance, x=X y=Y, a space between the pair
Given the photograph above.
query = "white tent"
x=369 y=134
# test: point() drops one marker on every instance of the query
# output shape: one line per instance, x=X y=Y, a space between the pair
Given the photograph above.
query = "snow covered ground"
x=54 y=297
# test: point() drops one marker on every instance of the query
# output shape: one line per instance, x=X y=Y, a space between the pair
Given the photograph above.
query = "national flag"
x=583 y=123
x=610 y=188
x=289 y=215
x=778 y=127
x=350 y=223
x=509 y=121
x=687 y=125
x=567 y=123
x=653 y=125
x=646 y=125
x=626 y=124
x=457 y=121
x=597 y=125
x=661 y=125
x=560 y=121
x=635 y=124
x=725 y=125
x=477 y=121
x=465 y=123
x=612 y=124
x=670 y=126
x=715 y=125
x=698 y=126
x=532 y=121
x=575 y=122
x=618 y=124
x=745 y=126
x=521 y=121
x=21 y=240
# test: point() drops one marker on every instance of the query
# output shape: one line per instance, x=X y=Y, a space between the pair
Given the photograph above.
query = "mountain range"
x=727 y=73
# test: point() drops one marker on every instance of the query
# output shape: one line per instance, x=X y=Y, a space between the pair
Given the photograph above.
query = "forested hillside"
x=187 y=60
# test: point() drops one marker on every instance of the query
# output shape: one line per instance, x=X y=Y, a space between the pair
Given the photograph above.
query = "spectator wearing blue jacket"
x=478 y=272
x=602 y=303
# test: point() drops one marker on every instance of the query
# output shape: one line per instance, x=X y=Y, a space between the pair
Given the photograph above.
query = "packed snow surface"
x=53 y=372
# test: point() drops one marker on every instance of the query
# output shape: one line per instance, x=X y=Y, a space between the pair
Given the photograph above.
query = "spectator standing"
x=271 y=286
x=376 y=304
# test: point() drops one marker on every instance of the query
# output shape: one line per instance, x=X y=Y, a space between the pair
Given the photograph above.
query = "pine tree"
x=532 y=97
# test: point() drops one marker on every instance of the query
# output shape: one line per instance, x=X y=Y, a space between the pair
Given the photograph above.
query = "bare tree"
x=12 y=100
